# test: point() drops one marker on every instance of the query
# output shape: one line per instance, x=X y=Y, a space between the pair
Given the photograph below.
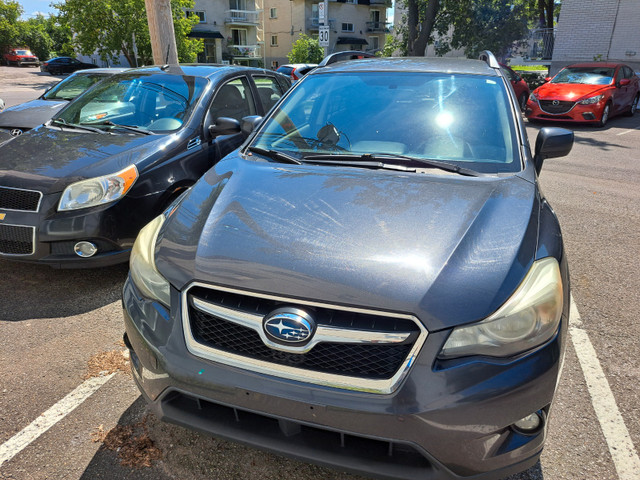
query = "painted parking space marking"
x=48 y=419
x=621 y=448
x=628 y=131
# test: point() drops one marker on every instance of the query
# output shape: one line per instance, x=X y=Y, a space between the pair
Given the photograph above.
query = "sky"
x=32 y=7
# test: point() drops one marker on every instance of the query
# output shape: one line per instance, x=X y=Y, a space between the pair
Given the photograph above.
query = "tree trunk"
x=126 y=51
x=417 y=41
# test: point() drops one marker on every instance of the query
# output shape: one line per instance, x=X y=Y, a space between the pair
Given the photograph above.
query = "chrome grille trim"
x=326 y=334
x=23 y=190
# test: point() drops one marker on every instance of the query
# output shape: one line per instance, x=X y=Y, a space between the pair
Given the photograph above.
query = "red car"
x=20 y=57
x=520 y=87
x=587 y=93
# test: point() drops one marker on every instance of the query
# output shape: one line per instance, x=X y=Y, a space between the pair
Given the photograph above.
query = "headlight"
x=533 y=97
x=142 y=264
x=99 y=190
x=591 y=100
x=529 y=318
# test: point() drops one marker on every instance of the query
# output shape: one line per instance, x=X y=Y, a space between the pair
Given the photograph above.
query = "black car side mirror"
x=224 y=126
x=249 y=124
x=552 y=142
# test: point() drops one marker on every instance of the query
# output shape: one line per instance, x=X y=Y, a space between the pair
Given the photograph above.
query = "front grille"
x=16 y=240
x=16 y=199
x=373 y=353
x=361 y=360
x=560 y=108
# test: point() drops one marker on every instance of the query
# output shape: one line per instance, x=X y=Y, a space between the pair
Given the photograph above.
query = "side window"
x=628 y=73
x=509 y=74
x=233 y=100
x=269 y=91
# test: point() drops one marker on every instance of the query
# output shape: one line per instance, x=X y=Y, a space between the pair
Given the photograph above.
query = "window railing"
x=242 y=17
x=247 y=51
x=378 y=27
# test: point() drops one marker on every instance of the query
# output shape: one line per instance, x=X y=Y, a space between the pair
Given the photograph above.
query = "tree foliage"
x=10 y=31
x=306 y=50
x=111 y=28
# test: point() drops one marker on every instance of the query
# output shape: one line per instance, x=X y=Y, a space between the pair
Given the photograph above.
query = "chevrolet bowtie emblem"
x=2 y=215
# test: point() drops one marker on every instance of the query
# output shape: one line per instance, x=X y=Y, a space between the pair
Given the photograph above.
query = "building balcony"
x=249 y=18
x=378 y=27
x=380 y=3
x=245 y=51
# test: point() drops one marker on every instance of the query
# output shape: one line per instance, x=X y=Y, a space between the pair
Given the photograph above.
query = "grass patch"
x=528 y=68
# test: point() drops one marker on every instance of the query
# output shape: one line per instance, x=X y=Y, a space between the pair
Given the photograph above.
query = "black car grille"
x=363 y=360
x=556 y=108
x=16 y=240
x=15 y=199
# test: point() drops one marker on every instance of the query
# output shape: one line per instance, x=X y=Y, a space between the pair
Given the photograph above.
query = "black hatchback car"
x=60 y=65
x=373 y=281
x=76 y=190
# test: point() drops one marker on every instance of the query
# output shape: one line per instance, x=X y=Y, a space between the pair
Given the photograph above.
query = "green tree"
x=34 y=34
x=10 y=12
x=306 y=50
x=113 y=27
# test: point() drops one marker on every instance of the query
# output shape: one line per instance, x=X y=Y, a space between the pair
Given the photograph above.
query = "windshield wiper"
x=132 y=128
x=62 y=123
x=275 y=154
x=382 y=161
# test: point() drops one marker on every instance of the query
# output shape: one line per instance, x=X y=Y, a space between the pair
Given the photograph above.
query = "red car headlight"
x=591 y=100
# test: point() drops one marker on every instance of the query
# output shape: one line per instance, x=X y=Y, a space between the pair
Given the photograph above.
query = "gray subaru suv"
x=373 y=281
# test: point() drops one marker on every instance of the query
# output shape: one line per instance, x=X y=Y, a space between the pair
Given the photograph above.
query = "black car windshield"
x=71 y=87
x=587 y=75
x=152 y=101
x=464 y=120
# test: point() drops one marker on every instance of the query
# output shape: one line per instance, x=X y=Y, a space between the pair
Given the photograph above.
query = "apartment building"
x=232 y=31
x=353 y=25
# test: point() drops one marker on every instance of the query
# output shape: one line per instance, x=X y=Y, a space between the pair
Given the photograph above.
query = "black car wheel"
x=605 y=115
x=634 y=106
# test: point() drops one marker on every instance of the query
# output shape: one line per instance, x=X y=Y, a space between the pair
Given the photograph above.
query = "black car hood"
x=30 y=114
x=446 y=248
x=48 y=159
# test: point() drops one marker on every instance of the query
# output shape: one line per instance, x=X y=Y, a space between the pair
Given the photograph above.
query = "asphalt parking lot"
x=70 y=410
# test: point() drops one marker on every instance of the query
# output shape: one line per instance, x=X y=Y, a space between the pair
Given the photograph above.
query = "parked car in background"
x=586 y=93
x=519 y=85
x=296 y=70
x=18 y=119
x=344 y=55
x=60 y=65
x=373 y=280
x=20 y=57
x=75 y=191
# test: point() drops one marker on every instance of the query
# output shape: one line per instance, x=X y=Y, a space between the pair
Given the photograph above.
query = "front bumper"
x=445 y=421
x=578 y=113
x=48 y=237
x=28 y=61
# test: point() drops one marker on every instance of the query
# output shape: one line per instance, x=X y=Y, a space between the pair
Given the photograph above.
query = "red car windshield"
x=586 y=75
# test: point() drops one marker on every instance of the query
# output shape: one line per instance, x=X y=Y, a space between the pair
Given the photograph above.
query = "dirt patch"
x=106 y=363
x=132 y=443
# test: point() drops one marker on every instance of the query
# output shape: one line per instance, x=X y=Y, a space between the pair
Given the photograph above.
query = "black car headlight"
x=99 y=190
x=142 y=265
x=529 y=318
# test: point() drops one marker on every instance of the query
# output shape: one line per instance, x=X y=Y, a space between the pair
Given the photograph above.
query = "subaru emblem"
x=289 y=325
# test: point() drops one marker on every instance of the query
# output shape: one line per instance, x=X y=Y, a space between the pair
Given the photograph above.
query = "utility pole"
x=163 y=37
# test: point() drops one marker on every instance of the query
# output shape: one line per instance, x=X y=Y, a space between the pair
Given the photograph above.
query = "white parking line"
x=48 y=419
x=627 y=131
x=623 y=452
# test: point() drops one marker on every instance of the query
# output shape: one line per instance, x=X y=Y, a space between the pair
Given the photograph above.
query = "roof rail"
x=490 y=58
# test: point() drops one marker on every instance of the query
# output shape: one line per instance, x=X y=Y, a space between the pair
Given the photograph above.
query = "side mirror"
x=624 y=82
x=249 y=124
x=224 y=126
x=552 y=142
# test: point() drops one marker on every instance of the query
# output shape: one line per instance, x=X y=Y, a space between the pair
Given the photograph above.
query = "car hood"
x=568 y=91
x=48 y=159
x=30 y=114
x=446 y=248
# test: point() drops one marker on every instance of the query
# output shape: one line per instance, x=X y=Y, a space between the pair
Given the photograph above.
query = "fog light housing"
x=85 y=249
x=531 y=423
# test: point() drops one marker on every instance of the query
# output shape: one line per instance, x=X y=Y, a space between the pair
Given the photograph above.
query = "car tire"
x=634 y=105
x=605 y=115
x=522 y=101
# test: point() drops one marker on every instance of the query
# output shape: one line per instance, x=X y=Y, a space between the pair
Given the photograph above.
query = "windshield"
x=587 y=75
x=152 y=101
x=462 y=119
x=24 y=52
x=73 y=86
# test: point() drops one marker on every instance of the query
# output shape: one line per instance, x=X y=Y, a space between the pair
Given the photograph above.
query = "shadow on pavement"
x=38 y=291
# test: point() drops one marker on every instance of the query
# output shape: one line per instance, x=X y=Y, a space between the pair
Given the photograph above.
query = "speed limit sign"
x=323 y=35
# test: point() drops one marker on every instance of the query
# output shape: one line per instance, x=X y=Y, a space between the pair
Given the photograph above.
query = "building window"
x=273 y=13
x=274 y=40
x=237 y=4
x=200 y=15
x=355 y=2
x=238 y=36
x=347 y=27
x=374 y=43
